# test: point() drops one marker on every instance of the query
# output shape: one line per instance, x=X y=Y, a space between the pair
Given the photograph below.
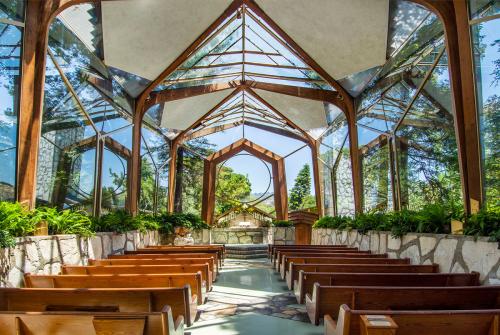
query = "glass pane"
x=375 y=172
x=190 y=176
x=343 y=183
x=114 y=181
x=483 y=8
x=487 y=71
x=327 y=189
x=296 y=165
x=10 y=51
x=12 y=9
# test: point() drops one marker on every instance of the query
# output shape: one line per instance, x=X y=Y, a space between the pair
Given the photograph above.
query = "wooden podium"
x=303 y=222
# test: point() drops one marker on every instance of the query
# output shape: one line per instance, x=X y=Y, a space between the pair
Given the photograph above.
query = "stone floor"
x=249 y=298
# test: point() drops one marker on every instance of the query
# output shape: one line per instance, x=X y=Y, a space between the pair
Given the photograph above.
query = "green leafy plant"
x=6 y=239
x=15 y=219
x=334 y=222
x=371 y=221
x=434 y=218
x=119 y=221
x=402 y=222
x=282 y=223
x=190 y=221
x=64 y=222
x=484 y=223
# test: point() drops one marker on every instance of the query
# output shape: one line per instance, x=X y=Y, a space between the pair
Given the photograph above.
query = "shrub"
x=402 y=222
x=484 y=223
x=119 y=221
x=334 y=222
x=282 y=223
x=64 y=222
x=6 y=239
x=15 y=220
x=371 y=221
x=168 y=221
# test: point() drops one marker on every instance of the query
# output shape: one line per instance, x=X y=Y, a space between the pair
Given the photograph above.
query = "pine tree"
x=301 y=189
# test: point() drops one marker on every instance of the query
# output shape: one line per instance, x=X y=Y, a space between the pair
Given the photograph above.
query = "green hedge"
x=16 y=221
x=282 y=223
x=435 y=219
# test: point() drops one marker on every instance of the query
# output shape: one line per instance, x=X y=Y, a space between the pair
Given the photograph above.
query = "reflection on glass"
x=375 y=172
x=487 y=72
x=114 y=181
x=10 y=52
x=12 y=10
x=483 y=8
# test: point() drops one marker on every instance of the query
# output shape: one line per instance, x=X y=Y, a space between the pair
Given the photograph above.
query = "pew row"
x=368 y=259
x=221 y=249
x=281 y=254
x=328 y=299
x=168 y=256
x=212 y=266
x=179 y=299
x=357 y=268
x=120 y=281
x=305 y=283
x=456 y=322
x=178 y=253
x=206 y=274
x=271 y=248
x=99 y=323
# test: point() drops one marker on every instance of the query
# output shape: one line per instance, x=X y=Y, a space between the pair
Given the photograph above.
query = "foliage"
x=15 y=219
x=64 y=222
x=435 y=219
x=232 y=188
x=301 y=189
x=282 y=223
x=484 y=223
x=334 y=222
x=186 y=220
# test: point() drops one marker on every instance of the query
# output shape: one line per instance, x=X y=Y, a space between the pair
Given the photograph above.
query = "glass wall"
x=486 y=52
x=335 y=169
x=86 y=139
x=406 y=128
x=11 y=41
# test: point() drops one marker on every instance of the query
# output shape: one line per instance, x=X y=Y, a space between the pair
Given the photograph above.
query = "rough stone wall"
x=453 y=253
x=46 y=254
x=283 y=235
x=237 y=235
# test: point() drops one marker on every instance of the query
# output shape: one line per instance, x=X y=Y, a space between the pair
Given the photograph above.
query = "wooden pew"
x=169 y=255
x=158 y=261
x=322 y=259
x=274 y=251
x=221 y=249
x=328 y=299
x=99 y=323
x=206 y=274
x=305 y=283
x=293 y=273
x=280 y=254
x=179 y=299
x=456 y=322
x=120 y=281
x=271 y=248
x=178 y=253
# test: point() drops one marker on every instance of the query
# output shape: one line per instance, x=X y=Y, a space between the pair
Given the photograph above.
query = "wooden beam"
x=211 y=130
x=172 y=175
x=243 y=145
x=316 y=178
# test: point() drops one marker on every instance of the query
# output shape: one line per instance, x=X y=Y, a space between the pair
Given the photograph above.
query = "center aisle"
x=249 y=298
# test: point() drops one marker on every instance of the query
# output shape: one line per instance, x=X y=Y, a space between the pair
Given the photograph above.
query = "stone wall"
x=46 y=254
x=283 y=235
x=238 y=235
x=453 y=253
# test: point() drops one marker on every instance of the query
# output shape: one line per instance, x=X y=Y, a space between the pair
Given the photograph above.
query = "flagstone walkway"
x=249 y=298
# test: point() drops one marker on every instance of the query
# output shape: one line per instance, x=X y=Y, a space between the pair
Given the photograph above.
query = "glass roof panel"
x=250 y=50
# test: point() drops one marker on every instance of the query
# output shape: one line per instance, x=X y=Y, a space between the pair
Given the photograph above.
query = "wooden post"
x=317 y=180
x=208 y=196
x=172 y=175
x=280 y=191
x=357 y=181
x=134 y=166
x=38 y=16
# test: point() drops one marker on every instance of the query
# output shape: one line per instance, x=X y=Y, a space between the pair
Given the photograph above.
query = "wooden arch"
x=210 y=174
x=453 y=13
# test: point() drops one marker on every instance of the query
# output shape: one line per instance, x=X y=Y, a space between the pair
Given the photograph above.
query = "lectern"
x=303 y=222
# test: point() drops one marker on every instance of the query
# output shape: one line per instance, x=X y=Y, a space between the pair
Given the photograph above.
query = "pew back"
x=100 y=299
x=99 y=323
x=304 y=284
x=281 y=254
x=328 y=299
x=119 y=281
x=456 y=322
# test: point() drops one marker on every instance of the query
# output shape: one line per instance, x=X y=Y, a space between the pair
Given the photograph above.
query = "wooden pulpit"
x=303 y=222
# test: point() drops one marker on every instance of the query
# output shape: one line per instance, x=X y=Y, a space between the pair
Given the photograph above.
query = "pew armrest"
x=330 y=325
x=377 y=324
